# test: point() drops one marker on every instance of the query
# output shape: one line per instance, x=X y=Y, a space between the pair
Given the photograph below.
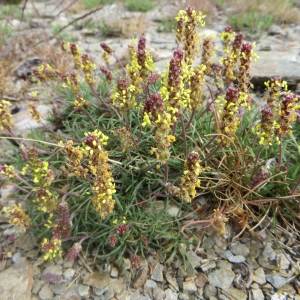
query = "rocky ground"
x=253 y=266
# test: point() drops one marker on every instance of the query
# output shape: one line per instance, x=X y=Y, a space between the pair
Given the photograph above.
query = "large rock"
x=276 y=63
x=17 y=281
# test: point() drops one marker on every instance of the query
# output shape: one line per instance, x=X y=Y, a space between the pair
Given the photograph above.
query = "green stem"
x=184 y=137
x=280 y=151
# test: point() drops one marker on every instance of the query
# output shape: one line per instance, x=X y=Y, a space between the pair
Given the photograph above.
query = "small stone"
x=26 y=242
x=172 y=281
x=239 y=249
x=84 y=290
x=288 y=289
x=194 y=259
x=276 y=280
x=58 y=289
x=141 y=276
x=157 y=273
x=209 y=291
x=233 y=293
x=16 y=256
x=170 y=295
x=221 y=278
x=224 y=264
x=268 y=252
x=150 y=284
x=46 y=293
x=257 y=294
x=127 y=263
x=68 y=263
x=208 y=243
x=283 y=260
x=69 y=274
x=37 y=285
x=201 y=280
x=189 y=286
x=114 y=272
x=237 y=259
x=207 y=265
x=259 y=276
x=159 y=294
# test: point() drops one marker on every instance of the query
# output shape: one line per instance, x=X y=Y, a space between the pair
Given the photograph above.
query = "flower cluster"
x=287 y=114
x=88 y=67
x=123 y=95
x=71 y=81
x=227 y=36
x=228 y=107
x=45 y=72
x=246 y=57
x=74 y=155
x=107 y=72
x=62 y=225
x=35 y=114
x=74 y=252
x=106 y=53
x=42 y=178
x=144 y=59
x=172 y=89
x=197 y=80
x=125 y=138
x=208 y=46
x=188 y=23
x=233 y=53
x=98 y=164
x=274 y=88
x=155 y=115
x=42 y=175
x=75 y=53
x=8 y=171
x=190 y=180
x=80 y=103
x=266 y=128
x=18 y=217
x=51 y=248
x=6 y=121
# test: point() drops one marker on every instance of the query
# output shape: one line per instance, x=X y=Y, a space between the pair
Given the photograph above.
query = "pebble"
x=276 y=280
x=221 y=278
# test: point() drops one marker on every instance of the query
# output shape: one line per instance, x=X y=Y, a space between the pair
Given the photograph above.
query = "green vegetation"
x=143 y=6
x=137 y=150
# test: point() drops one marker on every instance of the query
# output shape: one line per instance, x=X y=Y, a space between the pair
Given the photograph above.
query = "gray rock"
x=172 y=281
x=209 y=291
x=46 y=293
x=221 y=278
x=157 y=273
x=16 y=256
x=17 y=280
x=239 y=249
x=37 y=285
x=207 y=243
x=84 y=290
x=114 y=272
x=201 y=280
x=189 y=286
x=276 y=280
x=69 y=274
x=276 y=63
x=26 y=241
x=170 y=295
x=233 y=293
x=141 y=276
x=159 y=294
x=287 y=289
x=59 y=289
x=98 y=280
x=237 y=259
x=257 y=294
x=194 y=259
x=207 y=265
x=283 y=260
x=268 y=252
x=259 y=276
x=224 y=264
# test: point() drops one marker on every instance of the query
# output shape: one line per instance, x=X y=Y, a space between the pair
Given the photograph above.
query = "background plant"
x=137 y=142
